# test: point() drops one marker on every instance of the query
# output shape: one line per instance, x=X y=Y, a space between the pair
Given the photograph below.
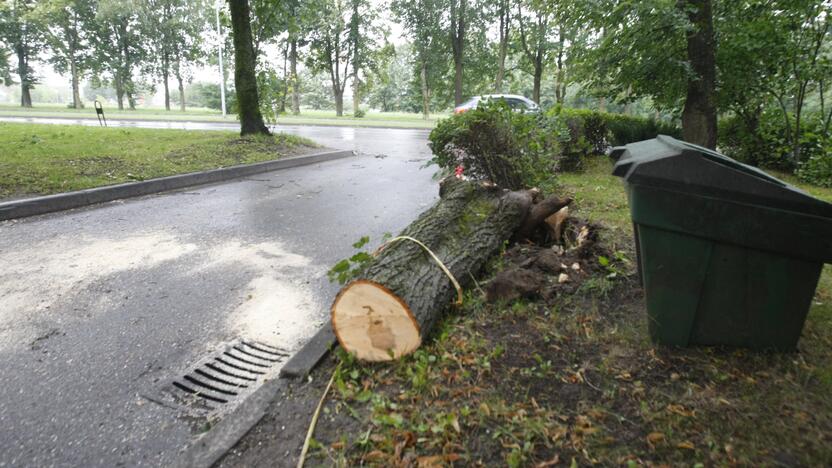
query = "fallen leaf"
x=337 y=445
x=654 y=438
x=374 y=455
x=455 y=424
x=554 y=461
x=688 y=445
x=680 y=410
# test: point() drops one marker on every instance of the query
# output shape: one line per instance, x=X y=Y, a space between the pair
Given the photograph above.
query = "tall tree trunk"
x=181 y=92
x=560 y=78
x=457 y=80
x=538 y=77
x=76 y=85
x=505 y=22
x=131 y=100
x=245 y=80
x=699 y=119
x=119 y=82
x=339 y=101
x=423 y=75
x=293 y=77
x=458 y=24
x=24 y=74
x=165 y=79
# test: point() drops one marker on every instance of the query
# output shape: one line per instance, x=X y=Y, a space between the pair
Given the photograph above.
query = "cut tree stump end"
x=373 y=323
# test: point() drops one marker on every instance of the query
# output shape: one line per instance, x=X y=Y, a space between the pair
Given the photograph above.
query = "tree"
x=362 y=35
x=422 y=21
x=457 y=28
x=119 y=47
x=175 y=28
x=534 y=23
x=68 y=26
x=245 y=77
x=24 y=37
x=331 y=50
x=699 y=118
x=505 y=13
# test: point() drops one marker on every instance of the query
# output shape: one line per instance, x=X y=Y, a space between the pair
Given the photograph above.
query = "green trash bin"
x=727 y=254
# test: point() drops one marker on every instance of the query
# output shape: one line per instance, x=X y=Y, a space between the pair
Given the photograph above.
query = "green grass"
x=307 y=116
x=45 y=159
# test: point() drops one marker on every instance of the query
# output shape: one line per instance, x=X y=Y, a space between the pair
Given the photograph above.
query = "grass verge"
x=46 y=159
x=573 y=380
x=307 y=116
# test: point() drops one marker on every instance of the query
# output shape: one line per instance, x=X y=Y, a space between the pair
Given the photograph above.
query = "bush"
x=359 y=113
x=817 y=170
x=764 y=144
x=512 y=149
x=592 y=132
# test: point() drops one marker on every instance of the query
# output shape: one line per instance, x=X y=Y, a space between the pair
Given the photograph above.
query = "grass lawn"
x=45 y=159
x=307 y=116
x=574 y=380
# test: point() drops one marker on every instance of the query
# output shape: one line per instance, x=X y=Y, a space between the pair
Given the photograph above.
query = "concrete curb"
x=209 y=448
x=65 y=201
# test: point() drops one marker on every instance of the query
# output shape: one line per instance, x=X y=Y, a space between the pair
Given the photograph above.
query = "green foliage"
x=512 y=149
x=592 y=132
x=763 y=141
x=817 y=170
x=359 y=113
x=349 y=268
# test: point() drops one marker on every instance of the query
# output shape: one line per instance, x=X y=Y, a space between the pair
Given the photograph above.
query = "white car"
x=514 y=101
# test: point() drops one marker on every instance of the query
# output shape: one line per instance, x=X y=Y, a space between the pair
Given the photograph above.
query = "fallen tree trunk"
x=391 y=308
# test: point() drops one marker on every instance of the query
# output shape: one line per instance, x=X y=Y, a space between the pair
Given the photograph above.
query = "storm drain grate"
x=226 y=377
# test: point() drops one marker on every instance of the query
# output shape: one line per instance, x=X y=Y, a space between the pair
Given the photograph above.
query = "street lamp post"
x=222 y=71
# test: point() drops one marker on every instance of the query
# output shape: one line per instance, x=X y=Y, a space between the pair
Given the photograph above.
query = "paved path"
x=103 y=306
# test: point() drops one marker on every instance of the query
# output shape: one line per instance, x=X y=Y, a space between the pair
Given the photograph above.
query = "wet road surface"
x=102 y=307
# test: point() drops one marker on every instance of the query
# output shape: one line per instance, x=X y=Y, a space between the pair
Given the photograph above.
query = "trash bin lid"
x=665 y=162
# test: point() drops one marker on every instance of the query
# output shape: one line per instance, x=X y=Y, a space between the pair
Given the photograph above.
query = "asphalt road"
x=102 y=307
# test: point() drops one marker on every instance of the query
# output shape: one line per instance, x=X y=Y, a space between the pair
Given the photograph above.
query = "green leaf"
x=361 y=242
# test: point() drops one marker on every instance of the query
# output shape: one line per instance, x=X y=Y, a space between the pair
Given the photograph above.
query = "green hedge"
x=592 y=132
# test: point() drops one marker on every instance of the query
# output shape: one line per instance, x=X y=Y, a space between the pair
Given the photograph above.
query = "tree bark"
x=25 y=76
x=338 y=94
x=397 y=300
x=458 y=25
x=245 y=80
x=699 y=118
x=165 y=79
x=505 y=29
x=538 y=77
x=119 y=83
x=181 y=92
x=293 y=77
x=560 y=77
x=423 y=75
x=77 y=103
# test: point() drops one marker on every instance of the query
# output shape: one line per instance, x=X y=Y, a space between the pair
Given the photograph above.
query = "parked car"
x=514 y=101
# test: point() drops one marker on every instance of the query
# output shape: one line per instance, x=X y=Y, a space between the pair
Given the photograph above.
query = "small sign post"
x=99 y=112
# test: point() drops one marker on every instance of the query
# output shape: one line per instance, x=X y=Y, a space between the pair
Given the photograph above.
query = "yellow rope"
x=435 y=259
x=314 y=422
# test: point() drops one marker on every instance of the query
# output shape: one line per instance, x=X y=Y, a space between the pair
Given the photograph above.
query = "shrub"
x=592 y=132
x=512 y=149
x=764 y=143
x=817 y=170
x=359 y=113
